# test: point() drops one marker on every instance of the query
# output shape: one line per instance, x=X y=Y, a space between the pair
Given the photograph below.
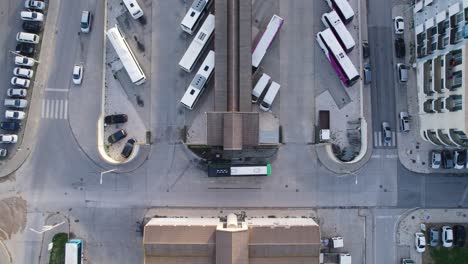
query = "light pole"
x=47 y=228
x=104 y=172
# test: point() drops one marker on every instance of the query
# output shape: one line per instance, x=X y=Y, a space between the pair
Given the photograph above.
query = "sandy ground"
x=13 y=216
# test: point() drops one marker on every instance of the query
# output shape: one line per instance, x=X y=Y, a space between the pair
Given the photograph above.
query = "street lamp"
x=47 y=228
x=104 y=172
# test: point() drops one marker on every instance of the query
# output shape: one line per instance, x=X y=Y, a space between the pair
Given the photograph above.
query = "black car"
x=365 y=50
x=115 y=119
x=117 y=136
x=10 y=126
x=459 y=235
x=128 y=148
x=32 y=27
x=400 y=49
x=447 y=159
x=26 y=49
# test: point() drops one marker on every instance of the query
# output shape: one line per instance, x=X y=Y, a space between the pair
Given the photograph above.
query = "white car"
x=12 y=114
x=23 y=72
x=27 y=38
x=420 y=242
x=16 y=92
x=16 y=103
x=32 y=4
x=399 y=25
x=7 y=138
x=20 y=82
x=77 y=74
x=32 y=16
x=24 y=61
x=447 y=236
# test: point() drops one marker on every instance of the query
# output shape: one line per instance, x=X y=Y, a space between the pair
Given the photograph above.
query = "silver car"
x=434 y=237
x=386 y=133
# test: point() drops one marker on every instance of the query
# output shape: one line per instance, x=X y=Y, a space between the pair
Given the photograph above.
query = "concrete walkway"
x=47 y=236
x=324 y=151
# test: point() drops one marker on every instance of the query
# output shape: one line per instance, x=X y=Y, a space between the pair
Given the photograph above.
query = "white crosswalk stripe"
x=54 y=109
x=378 y=140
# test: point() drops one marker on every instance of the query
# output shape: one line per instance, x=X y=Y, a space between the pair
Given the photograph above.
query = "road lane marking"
x=56 y=90
x=47 y=109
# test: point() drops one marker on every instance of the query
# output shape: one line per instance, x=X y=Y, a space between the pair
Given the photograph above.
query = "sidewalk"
x=411 y=223
x=33 y=119
x=324 y=151
x=48 y=235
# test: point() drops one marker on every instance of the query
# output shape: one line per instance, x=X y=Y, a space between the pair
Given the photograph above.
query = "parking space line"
x=376 y=138
x=380 y=139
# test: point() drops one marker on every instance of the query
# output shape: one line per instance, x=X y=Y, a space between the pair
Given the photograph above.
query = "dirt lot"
x=12 y=216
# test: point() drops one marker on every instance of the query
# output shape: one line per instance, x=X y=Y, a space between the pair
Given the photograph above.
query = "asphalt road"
x=380 y=30
x=58 y=176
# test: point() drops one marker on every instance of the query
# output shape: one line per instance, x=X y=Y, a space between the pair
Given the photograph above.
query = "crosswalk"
x=54 y=109
x=378 y=140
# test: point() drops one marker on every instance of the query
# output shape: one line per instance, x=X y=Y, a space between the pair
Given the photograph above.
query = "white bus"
x=337 y=57
x=267 y=38
x=194 y=15
x=126 y=55
x=133 y=8
x=198 y=45
x=333 y=21
x=74 y=251
x=197 y=86
x=343 y=9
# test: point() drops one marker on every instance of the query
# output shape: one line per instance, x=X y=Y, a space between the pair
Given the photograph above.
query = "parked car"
x=402 y=70
x=404 y=121
x=3 y=152
x=400 y=49
x=407 y=261
x=367 y=74
x=117 y=136
x=436 y=159
x=32 y=27
x=365 y=50
x=16 y=92
x=447 y=159
x=25 y=49
x=27 y=38
x=447 y=236
x=399 y=25
x=459 y=235
x=77 y=74
x=8 y=138
x=115 y=119
x=386 y=133
x=13 y=114
x=32 y=16
x=85 y=22
x=24 y=61
x=128 y=148
x=20 y=82
x=420 y=242
x=434 y=237
x=23 y=72
x=32 y=4
x=10 y=125
x=16 y=103
x=459 y=159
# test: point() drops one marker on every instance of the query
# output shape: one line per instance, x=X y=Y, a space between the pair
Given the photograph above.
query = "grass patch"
x=57 y=254
x=454 y=255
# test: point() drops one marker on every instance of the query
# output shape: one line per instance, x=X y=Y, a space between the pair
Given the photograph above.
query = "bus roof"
x=194 y=12
x=198 y=43
x=267 y=38
x=71 y=253
x=345 y=8
x=339 y=27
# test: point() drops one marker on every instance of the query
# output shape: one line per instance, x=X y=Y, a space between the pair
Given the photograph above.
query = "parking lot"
x=11 y=24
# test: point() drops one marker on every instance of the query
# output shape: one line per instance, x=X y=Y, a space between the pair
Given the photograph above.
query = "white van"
x=133 y=8
x=270 y=96
x=27 y=38
x=260 y=87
